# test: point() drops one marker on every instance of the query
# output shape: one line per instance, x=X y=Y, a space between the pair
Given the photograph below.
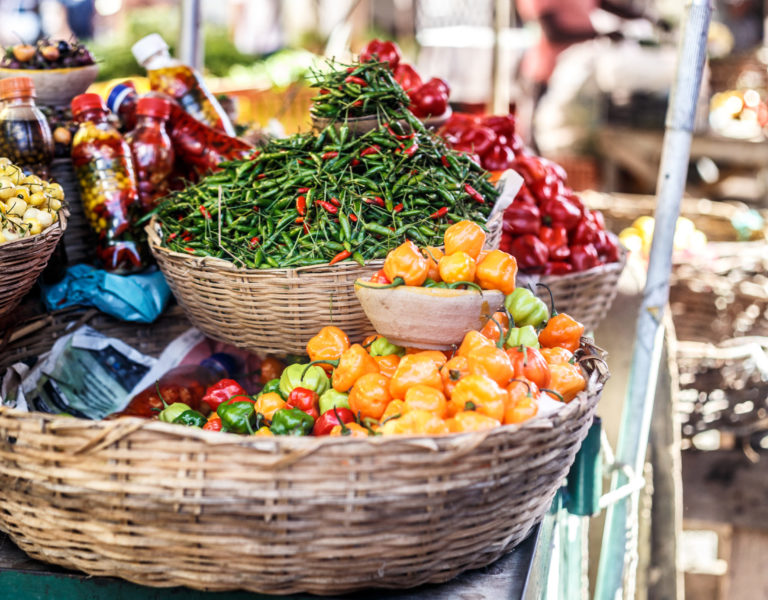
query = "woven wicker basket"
x=164 y=505
x=23 y=260
x=270 y=310
x=587 y=295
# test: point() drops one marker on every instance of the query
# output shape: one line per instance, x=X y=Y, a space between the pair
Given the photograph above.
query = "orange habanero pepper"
x=351 y=430
x=562 y=330
x=213 y=423
x=426 y=398
x=456 y=267
x=473 y=339
x=497 y=271
x=522 y=401
x=406 y=263
x=370 y=396
x=264 y=431
x=464 y=236
x=353 y=364
x=470 y=420
x=491 y=330
x=387 y=364
x=529 y=364
x=492 y=362
x=268 y=404
x=480 y=393
x=439 y=358
x=414 y=369
x=567 y=380
x=328 y=344
x=433 y=256
x=556 y=355
x=452 y=371
x=395 y=409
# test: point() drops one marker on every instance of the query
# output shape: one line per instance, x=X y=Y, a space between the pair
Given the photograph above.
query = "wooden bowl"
x=431 y=318
x=56 y=87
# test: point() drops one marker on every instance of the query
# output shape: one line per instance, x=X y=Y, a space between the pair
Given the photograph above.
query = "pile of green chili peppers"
x=326 y=197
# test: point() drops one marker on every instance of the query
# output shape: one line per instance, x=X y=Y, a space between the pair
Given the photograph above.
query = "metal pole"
x=619 y=549
x=501 y=66
x=191 y=34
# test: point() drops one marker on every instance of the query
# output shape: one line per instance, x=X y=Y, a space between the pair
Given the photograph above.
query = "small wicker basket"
x=586 y=296
x=270 y=310
x=23 y=260
x=164 y=505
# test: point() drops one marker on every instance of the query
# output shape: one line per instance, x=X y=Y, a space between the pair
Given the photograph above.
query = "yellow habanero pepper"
x=480 y=393
x=464 y=236
x=470 y=420
x=415 y=422
x=414 y=369
x=497 y=271
x=458 y=266
x=407 y=263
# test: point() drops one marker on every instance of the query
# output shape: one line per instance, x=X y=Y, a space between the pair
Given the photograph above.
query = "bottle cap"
x=154 y=107
x=148 y=46
x=85 y=102
x=118 y=94
x=16 y=87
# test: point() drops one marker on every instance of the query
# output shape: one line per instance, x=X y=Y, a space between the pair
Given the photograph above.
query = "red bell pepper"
x=304 y=399
x=455 y=125
x=428 y=101
x=521 y=218
x=530 y=168
x=584 y=256
x=586 y=232
x=556 y=239
x=607 y=246
x=383 y=51
x=498 y=158
x=407 y=77
x=558 y=268
x=503 y=125
x=559 y=211
x=438 y=85
x=530 y=252
x=476 y=139
x=331 y=418
x=221 y=391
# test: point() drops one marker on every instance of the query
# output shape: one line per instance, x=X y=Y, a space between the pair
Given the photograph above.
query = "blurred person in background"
x=19 y=21
x=564 y=23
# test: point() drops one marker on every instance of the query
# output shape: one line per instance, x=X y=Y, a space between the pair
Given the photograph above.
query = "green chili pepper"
x=332 y=399
x=294 y=376
x=383 y=347
x=525 y=308
x=522 y=336
x=191 y=418
x=291 y=421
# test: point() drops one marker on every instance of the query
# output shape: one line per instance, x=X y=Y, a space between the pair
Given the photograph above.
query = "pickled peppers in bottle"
x=108 y=187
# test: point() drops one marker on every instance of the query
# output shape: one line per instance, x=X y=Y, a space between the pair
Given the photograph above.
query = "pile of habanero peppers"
x=322 y=198
x=497 y=376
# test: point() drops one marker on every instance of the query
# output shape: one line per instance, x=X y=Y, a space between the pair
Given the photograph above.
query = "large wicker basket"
x=270 y=310
x=587 y=295
x=23 y=260
x=164 y=505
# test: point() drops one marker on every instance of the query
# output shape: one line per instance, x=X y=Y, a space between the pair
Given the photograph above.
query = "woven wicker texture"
x=586 y=296
x=270 y=310
x=23 y=260
x=164 y=505
x=31 y=338
x=79 y=239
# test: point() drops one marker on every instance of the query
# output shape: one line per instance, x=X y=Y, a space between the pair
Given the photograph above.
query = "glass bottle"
x=170 y=76
x=122 y=100
x=152 y=151
x=25 y=136
x=108 y=188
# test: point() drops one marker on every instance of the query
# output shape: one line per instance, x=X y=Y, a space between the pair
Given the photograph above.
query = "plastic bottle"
x=185 y=383
x=168 y=75
x=108 y=187
x=122 y=100
x=152 y=151
x=25 y=136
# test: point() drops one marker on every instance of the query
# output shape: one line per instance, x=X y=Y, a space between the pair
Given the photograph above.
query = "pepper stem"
x=333 y=363
x=554 y=393
x=455 y=284
x=551 y=297
x=396 y=282
x=159 y=395
x=527 y=384
x=500 y=342
x=344 y=429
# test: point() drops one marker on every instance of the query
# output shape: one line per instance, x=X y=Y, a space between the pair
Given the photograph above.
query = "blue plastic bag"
x=139 y=298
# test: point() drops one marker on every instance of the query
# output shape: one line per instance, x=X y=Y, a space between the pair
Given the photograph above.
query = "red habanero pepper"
x=328 y=206
x=221 y=391
x=530 y=252
x=354 y=79
x=301 y=205
x=343 y=255
x=502 y=125
x=607 y=246
x=474 y=194
x=556 y=239
x=383 y=51
x=407 y=77
x=213 y=424
x=586 y=232
x=584 y=256
x=379 y=277
x=440 y=212
x=375 y=149
x=304 y=399
x=558 y=268
x=476 y=139
x=560 y=211
x=497 y=158
x=331 y=418
x=521 y=218
x=328 y=155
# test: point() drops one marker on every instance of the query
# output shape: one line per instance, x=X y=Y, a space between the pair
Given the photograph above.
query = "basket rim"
x=116 y=429
x=53 y=230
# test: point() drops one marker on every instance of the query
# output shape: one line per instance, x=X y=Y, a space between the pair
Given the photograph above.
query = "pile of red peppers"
x=547 y=228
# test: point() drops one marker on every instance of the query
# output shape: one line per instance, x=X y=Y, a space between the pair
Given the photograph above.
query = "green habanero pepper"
x=294 y=376
x=522 y=336
x=273 y=385
x=191 y=418
x=293 y=421
x=238 y=417
x=525 y=308
x=383 y=347
x=333 y=399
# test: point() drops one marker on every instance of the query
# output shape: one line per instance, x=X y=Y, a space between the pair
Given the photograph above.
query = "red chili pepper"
x=188 y=249
x=335 y=201
x=299 y=220
x=521 y=218
x=254 y=240
x=332 y=154
x=254 y=154
x=204 y=212
x=355 y=79
x=353 y=218
x=397 y=136
x=330 y=418
x=173 y=235
x=440 y=212
x=328 y=206
x=299 y=161
x=375 y=149
x=410 y=150
x=445 y=162
x=357 y=103
x=303 y=190
x=344 y=254
x=305 y=227
x=354 y=162
x=350 y=69
x=261 y=176
x=301 y=205
x=474 y=194
x=375 y=200
x=304 y=399
x=398 y=207
x=221 y=391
